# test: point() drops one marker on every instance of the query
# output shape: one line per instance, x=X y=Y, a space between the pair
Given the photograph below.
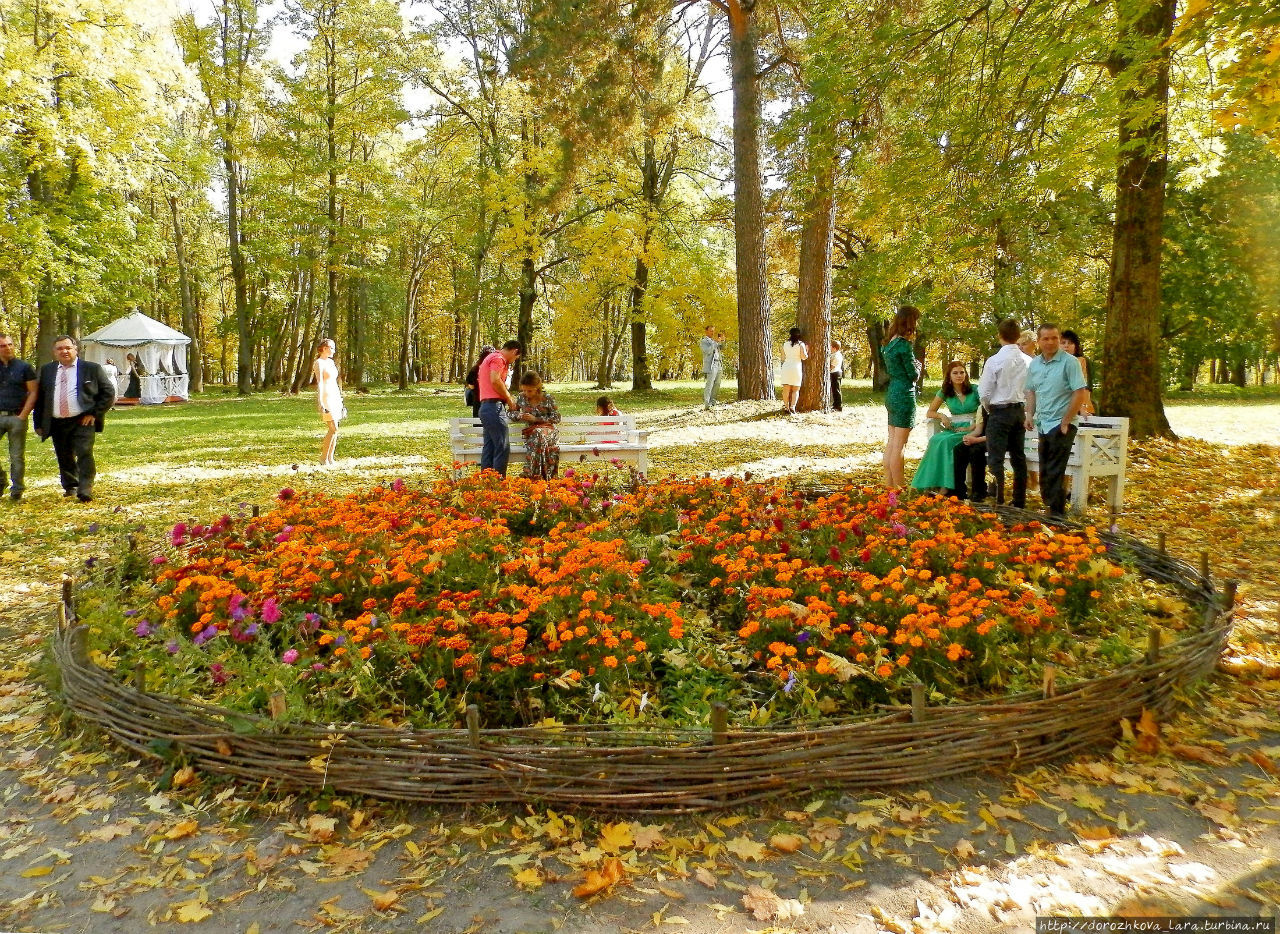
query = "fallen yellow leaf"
x=786 y=842
x=609 y=875
x=182 y=830
x=192 y=912
x=529 y=878
x=382 y=901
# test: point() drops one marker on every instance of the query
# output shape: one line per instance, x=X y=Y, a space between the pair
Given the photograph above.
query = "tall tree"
x=1131 y=358
x=227 y=56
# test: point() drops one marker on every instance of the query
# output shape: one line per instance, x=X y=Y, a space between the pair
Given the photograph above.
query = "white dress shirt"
x=66 y=397
x=837 y=361
x=1004 y=377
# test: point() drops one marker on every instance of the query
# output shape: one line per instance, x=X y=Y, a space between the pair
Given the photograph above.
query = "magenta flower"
x=397 y=485
x=217 y=673
x=159 y=559
x=290 y=656
x=270 y=611
x=286 y=494
x=237 y=610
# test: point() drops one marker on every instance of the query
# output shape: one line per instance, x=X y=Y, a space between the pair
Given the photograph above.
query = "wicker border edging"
x=670 y=771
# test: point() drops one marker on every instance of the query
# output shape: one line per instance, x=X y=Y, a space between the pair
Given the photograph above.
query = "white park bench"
x=1099 y=451
x=583 y=438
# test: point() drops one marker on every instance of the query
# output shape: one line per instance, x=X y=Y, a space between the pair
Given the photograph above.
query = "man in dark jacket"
x=71 y=402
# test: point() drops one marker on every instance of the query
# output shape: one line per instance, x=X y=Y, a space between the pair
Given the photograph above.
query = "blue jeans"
x=497 y=441
x=16 y=429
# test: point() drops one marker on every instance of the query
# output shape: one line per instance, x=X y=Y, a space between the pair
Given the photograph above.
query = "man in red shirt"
x=495 y=399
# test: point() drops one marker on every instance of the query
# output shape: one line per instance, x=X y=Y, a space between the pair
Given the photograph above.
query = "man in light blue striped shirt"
x=1056 y=390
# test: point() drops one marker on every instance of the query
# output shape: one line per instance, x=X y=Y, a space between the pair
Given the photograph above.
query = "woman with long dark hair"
x=540 y=415
x=958 y=449
x=794 y=353
x=471 y=395
x=903 y=368
x=1071 y=344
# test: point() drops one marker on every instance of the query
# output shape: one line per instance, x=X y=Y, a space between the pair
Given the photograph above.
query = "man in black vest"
x=71 y=403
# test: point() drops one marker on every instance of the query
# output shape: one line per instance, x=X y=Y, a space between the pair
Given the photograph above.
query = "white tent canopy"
x=160 y=349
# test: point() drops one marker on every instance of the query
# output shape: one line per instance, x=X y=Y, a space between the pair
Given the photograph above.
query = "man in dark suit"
x=71 y=403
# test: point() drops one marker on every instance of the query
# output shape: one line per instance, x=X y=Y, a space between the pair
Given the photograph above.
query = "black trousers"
x=1006 y=434
x=970 y=462
x=73 y=446
x=837 y=402
x=1055 y=451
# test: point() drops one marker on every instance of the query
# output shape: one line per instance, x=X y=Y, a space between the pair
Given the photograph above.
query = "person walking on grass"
x=72 y=400
x=837 y=373
x=18 y=387
x=328 y=399
x=495 y=399
x=1001 y=391
x=904 y=371
x=1056 y=391
x=712 y=365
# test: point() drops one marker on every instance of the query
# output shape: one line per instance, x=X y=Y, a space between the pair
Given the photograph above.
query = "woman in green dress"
x=904 y=370
x=958 y=448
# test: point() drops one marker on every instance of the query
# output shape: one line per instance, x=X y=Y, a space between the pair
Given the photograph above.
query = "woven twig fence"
x=620 y=769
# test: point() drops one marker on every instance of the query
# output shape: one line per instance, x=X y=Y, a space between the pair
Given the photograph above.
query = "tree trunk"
x=1131 y=360
x=1002 y=299
x=875 y=339
x=524 y=326
x=641 y=380
x=244 y=329
x=195 y=375
x=813 y=294
x=755 y=356
x=409 y=323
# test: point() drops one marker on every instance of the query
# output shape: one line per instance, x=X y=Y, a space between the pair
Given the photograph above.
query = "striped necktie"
x=66 y=385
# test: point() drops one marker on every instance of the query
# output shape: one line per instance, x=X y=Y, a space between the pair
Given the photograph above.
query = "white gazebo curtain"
x=160 y=349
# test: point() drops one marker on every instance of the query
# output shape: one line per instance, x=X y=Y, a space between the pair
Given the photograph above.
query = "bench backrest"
x=574 y=429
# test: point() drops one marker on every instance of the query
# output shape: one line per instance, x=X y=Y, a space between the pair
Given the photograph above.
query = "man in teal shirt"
x=1056 y=390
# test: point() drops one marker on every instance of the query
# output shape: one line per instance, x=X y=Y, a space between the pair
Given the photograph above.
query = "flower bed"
x=582 y=601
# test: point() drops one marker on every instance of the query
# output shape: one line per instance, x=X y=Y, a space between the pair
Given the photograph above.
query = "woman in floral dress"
x=540 y=414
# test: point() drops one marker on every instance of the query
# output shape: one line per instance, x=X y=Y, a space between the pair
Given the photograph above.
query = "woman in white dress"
x=794 y=353
x=328 y=398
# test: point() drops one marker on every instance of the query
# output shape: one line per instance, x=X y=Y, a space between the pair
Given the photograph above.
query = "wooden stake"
x=1229 y=595
x=80 y=645
x=67 y=592
x=255 y=511
x=140 y=677
x=1049 y=686
x=276 y=705
x=473 y=723
x=919 y=698
x=1160 y=542
x=1153 y=644
x=1204 y=565
x=719 y=723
